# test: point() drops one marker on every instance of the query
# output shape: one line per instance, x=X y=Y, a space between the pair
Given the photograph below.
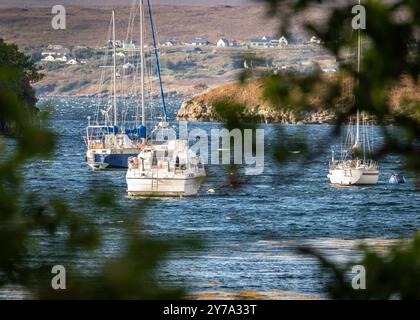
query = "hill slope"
x=250 y=94
x=31 y=27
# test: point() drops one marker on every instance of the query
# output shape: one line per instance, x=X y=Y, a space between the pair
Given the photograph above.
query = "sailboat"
x=110 y=144
x=355 y=167
x=163 y=167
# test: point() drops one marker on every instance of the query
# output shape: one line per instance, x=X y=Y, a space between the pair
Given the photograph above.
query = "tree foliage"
x=18 y=73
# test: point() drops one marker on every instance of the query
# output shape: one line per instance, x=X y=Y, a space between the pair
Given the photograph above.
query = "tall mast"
x=157 y=60
x=359 y=48
x=143 y=116
x=114 y=69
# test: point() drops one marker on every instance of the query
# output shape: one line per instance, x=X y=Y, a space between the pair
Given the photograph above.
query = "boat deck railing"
x=354 y=163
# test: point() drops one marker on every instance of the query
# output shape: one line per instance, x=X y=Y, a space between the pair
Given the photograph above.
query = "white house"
x=169 y=43
x=197 y=42
x=129 y=45
x=329 y=69
x=72 y=62
x=267 y=41
x=119 y=54
x=55 y=47
x=260 y=42
x=118 y=44
x=222 y=43
x=62 y=58
x=314 y=40
x=48 y=58
x=283 y=42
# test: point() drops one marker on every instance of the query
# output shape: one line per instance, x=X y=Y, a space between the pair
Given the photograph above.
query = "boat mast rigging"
x=359 y=49
x=155 y=49
x=114 y=69
x=143 y=116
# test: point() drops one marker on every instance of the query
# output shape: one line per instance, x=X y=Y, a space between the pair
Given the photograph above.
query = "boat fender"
x=160 y=164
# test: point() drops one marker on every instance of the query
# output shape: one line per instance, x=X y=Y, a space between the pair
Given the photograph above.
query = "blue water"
x=249 y=232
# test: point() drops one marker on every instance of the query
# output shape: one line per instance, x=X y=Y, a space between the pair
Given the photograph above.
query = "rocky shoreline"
x=195 y=111
x=249 y=95
x=201 y=107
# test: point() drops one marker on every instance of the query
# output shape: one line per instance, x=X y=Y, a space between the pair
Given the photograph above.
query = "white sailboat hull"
x=353 y=176
x=170 y=186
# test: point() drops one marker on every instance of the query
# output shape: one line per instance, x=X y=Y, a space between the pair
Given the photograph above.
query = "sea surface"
x=249 y=231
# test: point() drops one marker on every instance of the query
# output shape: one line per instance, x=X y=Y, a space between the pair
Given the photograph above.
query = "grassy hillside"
x=39 y=3
x=31 y=27
x=184 y=73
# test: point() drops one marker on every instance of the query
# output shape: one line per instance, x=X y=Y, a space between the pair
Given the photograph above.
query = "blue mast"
x=157 y=60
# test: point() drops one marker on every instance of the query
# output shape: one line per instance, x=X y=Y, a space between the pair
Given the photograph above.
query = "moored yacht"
x=110 y=143
x=167 y=169
x=162 y=167
x=355 y=167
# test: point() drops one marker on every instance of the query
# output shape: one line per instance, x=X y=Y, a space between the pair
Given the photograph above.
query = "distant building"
x=283 y=42
x=60 y=58
x=118 y=44
x=235 y=43
x=314 y=40
x=267 y=41
x=169 y=43
x=120 y=54
x=260 y=42
x=55 y=47
x=54 y=50
x=55 y=53
x=223 y=43
x=72 y=62
x=329 y=69
x=129 y=45
x=48 y=58
x=197 y=42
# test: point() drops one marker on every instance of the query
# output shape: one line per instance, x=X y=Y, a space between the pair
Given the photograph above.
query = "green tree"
x=83 y=53
x=19 y=73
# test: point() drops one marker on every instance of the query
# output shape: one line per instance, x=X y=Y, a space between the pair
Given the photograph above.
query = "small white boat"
x=396 y=178
x=168 y=169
